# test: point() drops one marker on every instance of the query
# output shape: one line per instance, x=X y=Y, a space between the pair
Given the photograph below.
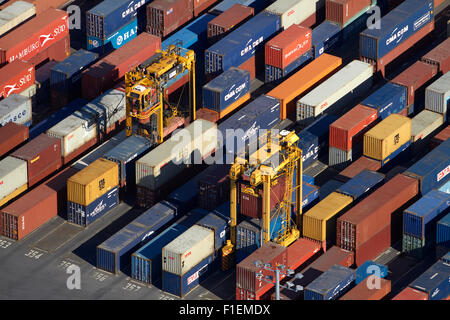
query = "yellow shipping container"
x=92 y=182
x=387 y=136
x=13 y=194
x=319 y=223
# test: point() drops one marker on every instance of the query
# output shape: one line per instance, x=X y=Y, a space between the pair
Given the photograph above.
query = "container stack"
x=443 y=236
x=17 y=109
x=331 y=284
x=437 y=96
x=434 y=282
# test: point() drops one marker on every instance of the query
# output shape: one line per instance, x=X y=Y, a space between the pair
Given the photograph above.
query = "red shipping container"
x=105 y=73
x=350 y=128
x=12 y=135
x=372 y=214
x=250 y=66
x=363 y=163
x=34 y=36
x=373 y=247
x=443 y=135
x=202 y=5
x=363 y=292
x=165 y=16
x=29 y=212
x=207 y=114
x=415 y=77
x=300 y=252
x=246 y=270
x=310 y=21
x=16 y=77
x=439 y=56
x=288 y=46
x=231 y=18
x=411 y=294
x=40 y=5
x=43 y=157
x=58 y=51
x=341 y=11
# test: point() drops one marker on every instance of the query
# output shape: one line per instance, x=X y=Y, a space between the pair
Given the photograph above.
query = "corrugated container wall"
x=439 y=56
x=17 y=109
x=11 y=136
x=390 y=98
x=163 y=17
x=14 y=14
x=437 y=95
x=341 y=11
x=292 y=11
x=424 y=124
x=219 y=26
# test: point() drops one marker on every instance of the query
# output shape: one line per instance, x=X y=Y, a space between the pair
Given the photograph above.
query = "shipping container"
x=331 y=284
x=288 y=46
x=13 y=176
x=363 y=163
x=58 y=51
x=219 y=224
x=310 y=75
x=15 y=77
x=396 y=27
x=446 y=187
x=414 y=78
x=11 y=136
x=411 y=294
x=434 y=282
x=15 y=14
x=431 y=171
x=321 y=128
x=115 y=252
x=43 y=157
x=274 y=74
x=227 y=4
x=439 y=56
x=362 y=184
x=350 y=81
x=437 y=95
x=339 y=158
x=375 y=246
x=185 y=197
x=342 y=11
x=17 y=109
x=164 y=17
x=41 y=5
x=375 y=212
x=443 y=135
x=424 y=123
x=292 y=11
x=106 y=72
x=390 y=98
x=326 y=36
x=229 y=19
x=443 y=231
x=370 y=268
x=310 y=196
x=363 y=292
x=213 y=186
x=329 y=187
x=34 y=36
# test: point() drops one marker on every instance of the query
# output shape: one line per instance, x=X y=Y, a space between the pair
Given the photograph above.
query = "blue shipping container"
x=308 y=179
x=310 y=196
x=435 y=281
x=146 y=263
x=361 y=184
x=226 y=89
x=418 y=217
x=390 y=98
x=126 y=154
x=320 y=128
x=446 y=187
x=329 y=187
x=397 y=26
x=446 y=258
x=325 y=37
x=273 y=73
x=112 y=254
x=242 y=43
x=219 y=224
x=85 y=215
x=227 y=4
x=309 y=144
x=396 y=153
x=443 y=231
x=369 y=268
x=331 y=284
x=110 y=15
x=67 y=73
x=116 y=40
x=433 y=169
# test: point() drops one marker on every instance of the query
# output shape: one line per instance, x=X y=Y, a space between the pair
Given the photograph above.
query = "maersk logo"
x=99 y=208
x=132 y=7
x=397 y=35
x=235 y=92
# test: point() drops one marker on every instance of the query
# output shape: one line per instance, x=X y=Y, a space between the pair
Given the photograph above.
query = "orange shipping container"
x=363 y=292
x=302 y=81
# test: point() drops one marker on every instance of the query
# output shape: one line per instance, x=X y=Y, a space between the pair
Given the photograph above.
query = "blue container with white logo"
x=116 y=251
x=242 y=43
x=85 y=215
x=397 y=26
x=226 y=89
x=443 y=231
x=362 y=184
x=331 y=285
x=113 y=41
x=309 y=144
x=320 y=128
x=110 y=15
x=273 y=73
x=389 y=99
x=146 y=263
x=369 y=268
x=219 y=224
x=310 y=196
x=324 y=37
x=434 y=282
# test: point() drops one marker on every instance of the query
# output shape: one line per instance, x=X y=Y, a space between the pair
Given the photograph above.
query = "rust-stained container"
x=373 y=214
x=349 y=128
x=363 y=163
x=16 y=77
x=415 y=78
x=29 y=212
x=287 y=46
x=231 y=18
x=301 y=81
x=34 y=36
x=246 y=270
x=411 y=294
x=363 y=292
x=105 y=73
x=12 y=135
x=387 y=136
x=439 y=56
x=341 y=11
x=201 y=5
x=373 y=247
x=250 y=66
x=92 y=182
x=443 y=135
x=43 y=157
x=165 y=16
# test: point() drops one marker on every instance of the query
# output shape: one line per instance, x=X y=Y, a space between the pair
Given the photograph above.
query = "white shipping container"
x=425 y=123
x=189 y=249
x=15 y=108
x=13 y=174
x=338 y=156
x=437 y=94
x=172 y=156
x=73 y=133
x=292 y=11
x=15 y=14
x=336 y=87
